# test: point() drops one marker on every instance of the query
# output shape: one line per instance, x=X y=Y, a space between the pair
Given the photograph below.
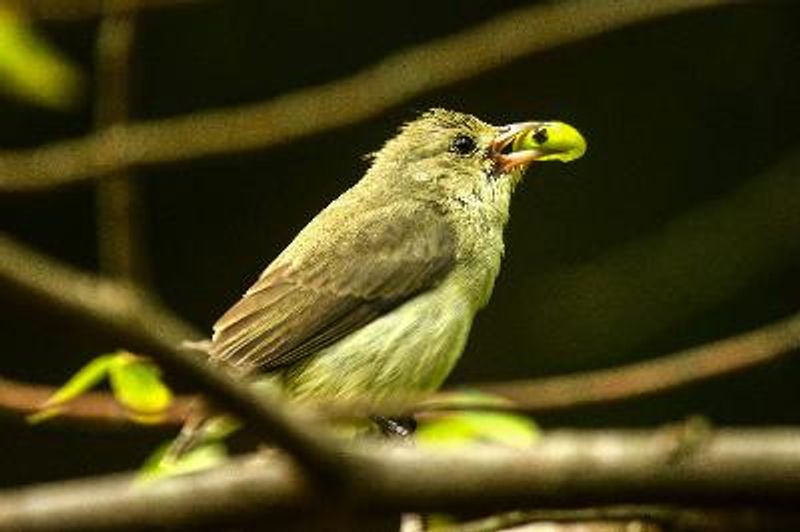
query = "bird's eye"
x=541 y=136
x=463 y=145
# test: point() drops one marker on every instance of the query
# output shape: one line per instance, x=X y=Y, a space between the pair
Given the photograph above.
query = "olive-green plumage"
x=377 y=294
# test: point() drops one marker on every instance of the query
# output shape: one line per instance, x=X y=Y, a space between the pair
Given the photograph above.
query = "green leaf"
x=136 y=383
x=31 y=70
x=460 y=428
x=83 y=380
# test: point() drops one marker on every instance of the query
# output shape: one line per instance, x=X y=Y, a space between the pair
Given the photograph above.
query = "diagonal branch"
x=129 y=313
x=727 y=468
x=737 y=353
x=122 y=311
x=398 y=78
x=761 y=346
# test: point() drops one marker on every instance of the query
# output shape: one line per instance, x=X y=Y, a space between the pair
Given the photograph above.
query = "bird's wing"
x=307 y=300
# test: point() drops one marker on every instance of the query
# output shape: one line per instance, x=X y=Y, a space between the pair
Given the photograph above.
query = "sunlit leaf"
x=136 y=383
x=82 y=381
x=31 y=69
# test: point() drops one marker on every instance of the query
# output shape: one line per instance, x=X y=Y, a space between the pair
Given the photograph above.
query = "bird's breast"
x=410 y=349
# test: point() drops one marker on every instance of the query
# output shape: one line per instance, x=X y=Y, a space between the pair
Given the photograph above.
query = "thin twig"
x=123 y=312
x=397 y=78
x=119 y=233
x=728 y=469
x=547 y=394
x=761 y=346
x=119 y=310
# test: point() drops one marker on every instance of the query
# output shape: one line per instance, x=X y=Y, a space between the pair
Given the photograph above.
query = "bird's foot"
x=402 y=427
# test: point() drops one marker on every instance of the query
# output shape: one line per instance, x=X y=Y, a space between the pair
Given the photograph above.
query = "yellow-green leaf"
x=460 y=428
x=31 y=69
x=83 y=380
x=136 y=383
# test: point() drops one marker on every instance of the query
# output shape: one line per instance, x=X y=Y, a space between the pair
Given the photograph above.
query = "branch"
x=124 y=312
x=683 y=368
x=128 y=313
x=728 y=469
x=437 y=64
x=119 y=232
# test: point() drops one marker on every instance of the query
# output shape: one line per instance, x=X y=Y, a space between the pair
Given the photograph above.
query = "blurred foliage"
x=137 y=385
x=475 y=426
x=82 y=381
x=31 y=69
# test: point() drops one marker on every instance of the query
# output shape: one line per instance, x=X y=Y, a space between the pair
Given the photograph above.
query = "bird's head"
x=461 y=155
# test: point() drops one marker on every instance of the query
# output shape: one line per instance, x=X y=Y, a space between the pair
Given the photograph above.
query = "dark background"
x=681 y=224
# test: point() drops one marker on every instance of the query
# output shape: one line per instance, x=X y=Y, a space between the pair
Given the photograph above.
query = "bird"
x=376 y=296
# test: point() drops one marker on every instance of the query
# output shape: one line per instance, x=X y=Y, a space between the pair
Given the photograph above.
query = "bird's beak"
x=518 y=145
